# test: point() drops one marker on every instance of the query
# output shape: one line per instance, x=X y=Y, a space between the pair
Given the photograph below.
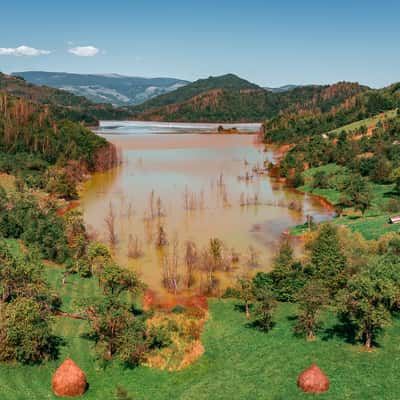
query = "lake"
x=193 y=185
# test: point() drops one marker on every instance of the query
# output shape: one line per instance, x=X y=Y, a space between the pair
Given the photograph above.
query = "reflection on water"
x=188 y=185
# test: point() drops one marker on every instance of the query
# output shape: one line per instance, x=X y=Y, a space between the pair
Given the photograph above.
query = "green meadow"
x=375 y=222
x=239 y=361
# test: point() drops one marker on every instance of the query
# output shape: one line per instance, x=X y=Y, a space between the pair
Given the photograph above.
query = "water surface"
x=182 y=166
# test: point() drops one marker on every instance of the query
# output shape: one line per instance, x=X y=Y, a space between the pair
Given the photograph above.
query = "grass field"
x=239 y=362
x=365 y=122
x=375 y=222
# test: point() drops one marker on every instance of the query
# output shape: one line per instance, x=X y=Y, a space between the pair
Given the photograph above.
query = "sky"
x=271 y=43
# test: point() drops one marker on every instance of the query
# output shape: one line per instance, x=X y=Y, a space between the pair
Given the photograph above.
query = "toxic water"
x=194 y=186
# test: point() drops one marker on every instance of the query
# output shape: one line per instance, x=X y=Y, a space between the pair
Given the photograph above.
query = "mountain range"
x=118 y=90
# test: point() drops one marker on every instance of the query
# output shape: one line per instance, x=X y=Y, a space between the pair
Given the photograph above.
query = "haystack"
x=313 y=380
x=69 y=380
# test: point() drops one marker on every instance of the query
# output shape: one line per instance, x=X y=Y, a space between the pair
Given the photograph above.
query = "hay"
x=313 y=380
x=69 y=380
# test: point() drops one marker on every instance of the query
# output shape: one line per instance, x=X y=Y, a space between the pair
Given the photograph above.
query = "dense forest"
x=45 y=151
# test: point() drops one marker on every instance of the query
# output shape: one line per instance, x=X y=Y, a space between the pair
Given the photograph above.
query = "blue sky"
x=268 y=42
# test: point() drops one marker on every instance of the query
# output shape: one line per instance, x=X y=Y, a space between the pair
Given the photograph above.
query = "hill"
x=341 y=104
x=45 y=151
x=63 y=104
x=231 y=99
x=229 y=82
x=115 y=89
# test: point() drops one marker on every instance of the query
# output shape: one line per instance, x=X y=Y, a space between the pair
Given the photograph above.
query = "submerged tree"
x=110 y=224
x=191 y=260
x=134 y=247
x=170 y=264
x=161 y=237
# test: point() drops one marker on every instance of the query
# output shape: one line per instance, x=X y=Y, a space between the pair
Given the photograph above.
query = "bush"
x=25 y=333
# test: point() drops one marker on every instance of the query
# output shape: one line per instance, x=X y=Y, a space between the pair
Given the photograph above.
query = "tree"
x=114 y=280
x=109 y=319
x=25 y=332
x=246 y=292
x=327 y=262
x=118 y=333
x=263 y=310
x=368 y=299
x=310 y=300
x=382 y=170
x=397 y=186
x=287 y=275
x=298 y=179
x=357 y=193
x=320 y=180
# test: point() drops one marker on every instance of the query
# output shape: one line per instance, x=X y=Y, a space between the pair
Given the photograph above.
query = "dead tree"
x=159 y=207
x=134 y=247
x=191 y=258
x=161 y=237
x=110 y=224
x=151 y=201
x=170 y=265
x=253 y=257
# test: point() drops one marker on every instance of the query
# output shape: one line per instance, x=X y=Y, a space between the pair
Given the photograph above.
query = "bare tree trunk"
x=246 y=305
x=311 y=335
x=368 y=340
x=110 y=223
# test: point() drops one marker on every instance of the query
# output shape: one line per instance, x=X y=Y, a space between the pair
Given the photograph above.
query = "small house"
x=395 y=219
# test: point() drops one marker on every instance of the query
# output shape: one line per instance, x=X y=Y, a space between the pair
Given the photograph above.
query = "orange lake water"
x=173 y=160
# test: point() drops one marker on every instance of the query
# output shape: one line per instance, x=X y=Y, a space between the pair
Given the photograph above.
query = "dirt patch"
x=68 y=207
x=185 y=325
x=167 y=302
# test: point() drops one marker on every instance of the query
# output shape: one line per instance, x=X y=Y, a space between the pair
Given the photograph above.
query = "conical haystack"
x=313 y=380
x=69 y=380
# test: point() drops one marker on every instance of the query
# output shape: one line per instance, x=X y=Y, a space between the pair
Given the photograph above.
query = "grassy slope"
x=365 y=122
x=375 y=222
x=239 y=363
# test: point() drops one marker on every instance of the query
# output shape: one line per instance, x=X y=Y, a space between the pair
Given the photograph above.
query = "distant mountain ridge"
x=228 y=98
x=62 y=103
x=115 y=89
x=280 y=89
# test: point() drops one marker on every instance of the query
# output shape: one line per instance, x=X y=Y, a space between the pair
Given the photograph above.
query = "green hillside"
x=231 y=99
x=349 y=103
x=227 y=82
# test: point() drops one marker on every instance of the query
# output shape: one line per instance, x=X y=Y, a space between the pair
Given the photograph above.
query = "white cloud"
x=22 y=51
x=84 y=51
